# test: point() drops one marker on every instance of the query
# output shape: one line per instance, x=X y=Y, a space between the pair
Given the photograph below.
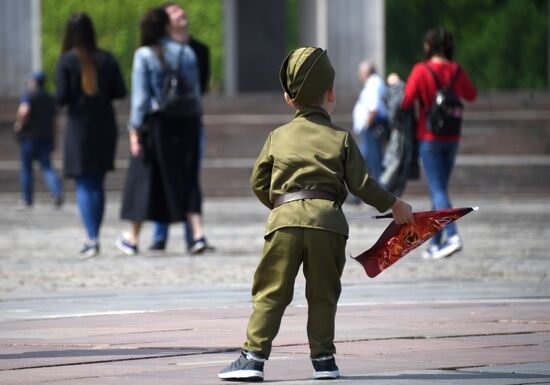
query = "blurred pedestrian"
x=370 y=118
x=401 y=154
x=179 y=32
x=35 y=131
x=88 y=79
x=162 y=183
x=438 y=151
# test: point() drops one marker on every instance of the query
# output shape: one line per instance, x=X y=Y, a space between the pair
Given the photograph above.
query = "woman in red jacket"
x=438 y=152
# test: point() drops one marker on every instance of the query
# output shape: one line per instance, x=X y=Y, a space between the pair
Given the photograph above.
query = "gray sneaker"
x=248 y=367
x=325 y=368
x=89 y=250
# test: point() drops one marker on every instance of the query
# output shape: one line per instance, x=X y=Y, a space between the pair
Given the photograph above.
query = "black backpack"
x=445 y=115
x=177 y=98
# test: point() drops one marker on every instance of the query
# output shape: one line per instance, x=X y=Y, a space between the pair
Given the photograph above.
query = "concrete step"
x=505 y=147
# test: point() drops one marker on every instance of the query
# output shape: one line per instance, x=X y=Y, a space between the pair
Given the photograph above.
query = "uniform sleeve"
x=260 y=180
x=358 y=181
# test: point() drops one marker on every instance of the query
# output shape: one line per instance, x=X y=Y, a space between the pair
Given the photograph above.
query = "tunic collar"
x=311 y=112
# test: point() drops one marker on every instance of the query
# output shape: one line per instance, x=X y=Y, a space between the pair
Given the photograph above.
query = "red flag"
x=399 y=240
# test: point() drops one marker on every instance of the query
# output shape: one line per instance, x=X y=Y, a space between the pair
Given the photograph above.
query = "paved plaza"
x=481 y=317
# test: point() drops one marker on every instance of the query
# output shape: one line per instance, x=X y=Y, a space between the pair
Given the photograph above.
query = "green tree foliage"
x=292 y=33
x=116 y=24
x=502 y=43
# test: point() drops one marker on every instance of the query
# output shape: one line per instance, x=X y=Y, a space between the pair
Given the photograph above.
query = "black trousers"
x=162 y=183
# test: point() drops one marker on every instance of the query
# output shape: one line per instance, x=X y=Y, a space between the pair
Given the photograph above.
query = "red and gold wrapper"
x=399 y=240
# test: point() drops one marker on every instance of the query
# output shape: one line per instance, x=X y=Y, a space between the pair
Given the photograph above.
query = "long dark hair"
x=80 y=36
x=152 y=27
x=439 y=41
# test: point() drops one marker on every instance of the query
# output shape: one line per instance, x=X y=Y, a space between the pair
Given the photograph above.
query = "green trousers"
x=323 y=256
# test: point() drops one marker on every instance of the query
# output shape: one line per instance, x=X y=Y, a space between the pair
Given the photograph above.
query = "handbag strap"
x=177 y=69
x=437 y=83
x=449 y=86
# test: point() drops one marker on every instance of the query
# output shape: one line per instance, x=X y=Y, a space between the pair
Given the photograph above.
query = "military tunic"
x=309 y=153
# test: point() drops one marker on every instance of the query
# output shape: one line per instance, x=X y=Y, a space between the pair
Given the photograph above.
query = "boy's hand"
x=402 y=212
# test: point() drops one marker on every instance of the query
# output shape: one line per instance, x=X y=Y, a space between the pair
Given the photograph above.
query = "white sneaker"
x=124 y=245
x=429 y=253
x=22 y=206
x=452 y=245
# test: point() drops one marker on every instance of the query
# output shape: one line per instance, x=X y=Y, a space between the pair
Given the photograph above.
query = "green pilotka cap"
x=306 y=74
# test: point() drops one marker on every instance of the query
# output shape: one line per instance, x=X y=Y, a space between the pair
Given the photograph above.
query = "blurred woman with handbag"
x=163 y=177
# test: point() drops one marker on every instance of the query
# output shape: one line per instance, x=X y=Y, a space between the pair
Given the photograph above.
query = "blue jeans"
x=160 y=230
x=40 y=150
x=438 y=158
x=90 y=197
x=371 y=149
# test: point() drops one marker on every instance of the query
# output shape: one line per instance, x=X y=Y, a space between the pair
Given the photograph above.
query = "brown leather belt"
x=304 y=194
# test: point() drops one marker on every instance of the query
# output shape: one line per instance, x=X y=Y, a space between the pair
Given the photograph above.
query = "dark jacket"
x=91 y=131
x=203 y=62
x=40 y=122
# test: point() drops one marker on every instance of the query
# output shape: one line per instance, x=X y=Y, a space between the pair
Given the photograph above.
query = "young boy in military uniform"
x=301 y=174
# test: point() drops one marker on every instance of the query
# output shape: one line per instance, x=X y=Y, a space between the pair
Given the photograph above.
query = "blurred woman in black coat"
x=88 y=79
